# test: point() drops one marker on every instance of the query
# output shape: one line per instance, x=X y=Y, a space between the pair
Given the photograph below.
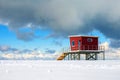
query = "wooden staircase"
x=62 y=56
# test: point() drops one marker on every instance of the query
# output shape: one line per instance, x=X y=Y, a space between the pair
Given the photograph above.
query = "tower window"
x=89 y=39
x=73 y=43
x=79 y=43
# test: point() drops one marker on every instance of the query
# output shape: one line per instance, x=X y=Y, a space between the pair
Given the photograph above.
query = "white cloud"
x=106 y=45
x=8 y=56
x=111 y=52
x=34 y=54
x=4 y=48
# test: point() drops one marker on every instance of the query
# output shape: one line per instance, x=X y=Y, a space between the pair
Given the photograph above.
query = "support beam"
x=103 y=55
x=86 y=56
x=74 y=56
x=68 y=57
x=71 y=56
x=96 y=56
x=91 y=56
x=78 y=56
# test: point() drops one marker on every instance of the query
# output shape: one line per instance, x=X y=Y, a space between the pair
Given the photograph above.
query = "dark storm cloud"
x=115 y=43
x=26 y=36
x=63 y=17
x=107 y=26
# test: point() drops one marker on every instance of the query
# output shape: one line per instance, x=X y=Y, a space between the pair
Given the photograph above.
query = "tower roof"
x=81 y=36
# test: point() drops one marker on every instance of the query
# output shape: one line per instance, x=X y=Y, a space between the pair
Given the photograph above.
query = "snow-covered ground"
x=60 y=70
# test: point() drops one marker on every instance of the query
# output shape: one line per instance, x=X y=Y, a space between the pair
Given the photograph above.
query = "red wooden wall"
x=83 y=43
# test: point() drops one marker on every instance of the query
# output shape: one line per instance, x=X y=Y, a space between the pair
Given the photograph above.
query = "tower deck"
x=75 y=55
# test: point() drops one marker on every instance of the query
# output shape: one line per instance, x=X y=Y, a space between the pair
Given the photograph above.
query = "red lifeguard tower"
x=83 y=43
x=87 y=45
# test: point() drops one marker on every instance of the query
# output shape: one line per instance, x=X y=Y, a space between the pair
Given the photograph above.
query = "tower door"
x=79 y=44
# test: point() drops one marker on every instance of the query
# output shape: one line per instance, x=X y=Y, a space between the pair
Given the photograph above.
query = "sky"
x=43 y=26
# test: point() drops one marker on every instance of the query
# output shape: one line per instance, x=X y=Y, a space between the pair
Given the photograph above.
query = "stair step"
x=62 y=56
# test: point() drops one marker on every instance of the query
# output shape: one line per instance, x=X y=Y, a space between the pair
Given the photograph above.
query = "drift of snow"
x=60 y=70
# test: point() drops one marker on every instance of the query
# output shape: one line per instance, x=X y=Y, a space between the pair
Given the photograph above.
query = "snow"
x=59 y=70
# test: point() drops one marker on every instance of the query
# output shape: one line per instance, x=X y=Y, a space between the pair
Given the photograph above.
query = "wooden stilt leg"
x=78 y=56
x=71 y=56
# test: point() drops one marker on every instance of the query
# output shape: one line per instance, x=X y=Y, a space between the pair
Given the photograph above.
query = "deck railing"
x=90 y=47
